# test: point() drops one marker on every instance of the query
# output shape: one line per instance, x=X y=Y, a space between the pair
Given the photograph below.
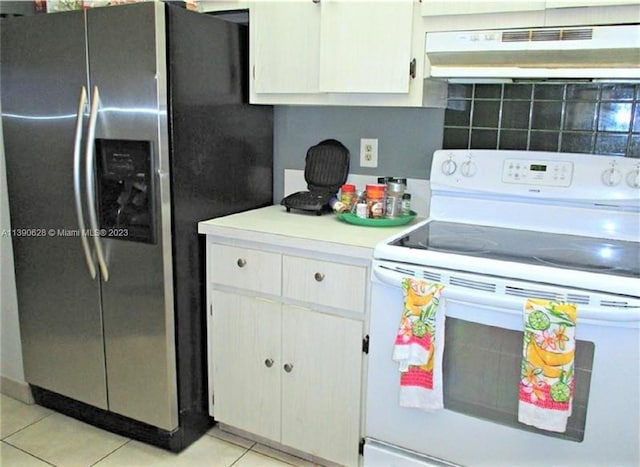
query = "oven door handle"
x=606 y=315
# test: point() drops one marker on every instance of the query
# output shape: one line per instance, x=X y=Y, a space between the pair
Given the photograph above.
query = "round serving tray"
x=383 y=222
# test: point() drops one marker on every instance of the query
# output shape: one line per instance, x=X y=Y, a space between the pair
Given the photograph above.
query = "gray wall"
x=407 y=138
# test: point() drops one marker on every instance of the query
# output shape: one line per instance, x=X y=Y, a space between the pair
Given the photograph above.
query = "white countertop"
x=273 y=224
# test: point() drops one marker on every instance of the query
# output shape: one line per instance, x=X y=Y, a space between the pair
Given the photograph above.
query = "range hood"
x=608 y=52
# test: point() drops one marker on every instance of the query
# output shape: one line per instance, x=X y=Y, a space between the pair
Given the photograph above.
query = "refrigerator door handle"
x=82 y=102
x=90 y=176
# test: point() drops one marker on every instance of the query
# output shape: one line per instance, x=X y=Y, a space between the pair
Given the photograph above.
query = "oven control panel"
x=537 y=172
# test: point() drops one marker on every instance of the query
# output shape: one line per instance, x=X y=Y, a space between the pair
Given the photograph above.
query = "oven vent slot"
x=406 y=272
x=535 y=35
x=614 y=303
x=577 y=299
x=477 y=285
x=431 y=276
x=546 y=295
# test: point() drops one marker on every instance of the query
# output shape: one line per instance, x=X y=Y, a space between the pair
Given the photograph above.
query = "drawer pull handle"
x=319 y=276
x=241 y=262
x=288 y=367
x=268 y=362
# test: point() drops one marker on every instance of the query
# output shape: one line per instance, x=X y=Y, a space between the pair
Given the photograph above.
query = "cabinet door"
x=321 y=393
x=245 y=336
x=365 y=46
x=286 y=45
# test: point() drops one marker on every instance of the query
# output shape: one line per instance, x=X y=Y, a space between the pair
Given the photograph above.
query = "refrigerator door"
x=43 y=72
x=127 y=65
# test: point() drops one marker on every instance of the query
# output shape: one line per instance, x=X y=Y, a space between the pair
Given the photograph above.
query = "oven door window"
x=482 y=367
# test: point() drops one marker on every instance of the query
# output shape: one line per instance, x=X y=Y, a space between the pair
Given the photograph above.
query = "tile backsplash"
x=595 y=118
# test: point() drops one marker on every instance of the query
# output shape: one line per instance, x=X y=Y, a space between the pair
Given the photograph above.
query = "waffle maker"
x=325 y=171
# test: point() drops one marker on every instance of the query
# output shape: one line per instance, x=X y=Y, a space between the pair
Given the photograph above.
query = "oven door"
x=481 y=371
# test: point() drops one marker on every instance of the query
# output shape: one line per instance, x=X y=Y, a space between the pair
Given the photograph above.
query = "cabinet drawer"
x=245 y=268
x=324 y=283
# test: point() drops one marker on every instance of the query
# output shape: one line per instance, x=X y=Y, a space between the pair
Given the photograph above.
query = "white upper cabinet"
x=441 y=7
x=365 y=46
x=286 y=50
x=583 y=3
x=444 y=15
x=331 y=46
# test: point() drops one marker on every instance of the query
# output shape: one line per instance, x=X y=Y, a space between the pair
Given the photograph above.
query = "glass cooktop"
x=574 y=252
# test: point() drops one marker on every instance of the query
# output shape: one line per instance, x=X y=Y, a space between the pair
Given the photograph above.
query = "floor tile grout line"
x=128 y=440
x=241 y=456
x=25 y=427
x=270 y=456
x=28 y=453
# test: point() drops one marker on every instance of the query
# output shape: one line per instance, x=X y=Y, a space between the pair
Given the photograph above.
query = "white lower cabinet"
x=245 y=336
x=321 y=393
x=286 y=365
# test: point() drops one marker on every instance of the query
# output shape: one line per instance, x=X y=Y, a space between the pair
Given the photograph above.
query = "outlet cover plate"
x=369 y=152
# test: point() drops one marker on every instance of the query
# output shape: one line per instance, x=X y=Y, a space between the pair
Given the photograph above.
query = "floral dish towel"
x=419 y=345
x=547 y=374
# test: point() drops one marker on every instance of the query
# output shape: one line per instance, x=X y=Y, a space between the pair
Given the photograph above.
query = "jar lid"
x=348 y=187
x=395 y=187
x=376 y=189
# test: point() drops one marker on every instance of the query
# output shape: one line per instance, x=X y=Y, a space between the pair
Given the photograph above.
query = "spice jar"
x=393 y=207
x=375 y=200
x=359 y=206
x=347 y=195
x=406 y=205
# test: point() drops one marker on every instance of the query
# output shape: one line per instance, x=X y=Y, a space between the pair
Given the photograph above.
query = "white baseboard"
x=17 y=389
x=419 y=188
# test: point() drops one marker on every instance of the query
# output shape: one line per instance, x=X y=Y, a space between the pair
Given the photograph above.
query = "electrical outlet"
x=369 y=152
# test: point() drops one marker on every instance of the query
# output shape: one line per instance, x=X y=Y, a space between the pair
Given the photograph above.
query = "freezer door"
x=127 y=65
x=43 y=70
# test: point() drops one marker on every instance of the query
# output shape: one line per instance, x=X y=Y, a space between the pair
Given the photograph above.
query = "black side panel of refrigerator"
x=221 y=162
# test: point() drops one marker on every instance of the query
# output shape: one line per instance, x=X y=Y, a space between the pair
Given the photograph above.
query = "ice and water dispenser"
x=125 y=189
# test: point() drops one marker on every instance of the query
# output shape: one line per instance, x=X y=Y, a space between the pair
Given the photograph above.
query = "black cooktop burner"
x=471 y=245
x=574 y=252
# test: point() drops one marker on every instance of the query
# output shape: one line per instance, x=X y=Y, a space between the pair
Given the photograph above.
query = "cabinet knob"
x=319 y=276
x=268 y=362
x=288 y=367
x=316 y=1
x=241 y=262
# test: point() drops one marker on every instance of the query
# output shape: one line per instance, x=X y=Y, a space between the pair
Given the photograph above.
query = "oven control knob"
x=449 y=167
x=633 y=178
x=611 y=176
x=468 y=168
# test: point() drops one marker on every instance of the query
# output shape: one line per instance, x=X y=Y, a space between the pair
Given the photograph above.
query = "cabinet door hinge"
x=365 y=344
x=361 y=447
x=412 y=68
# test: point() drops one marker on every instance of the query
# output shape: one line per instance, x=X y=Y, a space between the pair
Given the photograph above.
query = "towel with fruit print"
x=547 y=375
x=418 y=345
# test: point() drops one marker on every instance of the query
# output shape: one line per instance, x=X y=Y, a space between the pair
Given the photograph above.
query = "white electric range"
x=505 y=226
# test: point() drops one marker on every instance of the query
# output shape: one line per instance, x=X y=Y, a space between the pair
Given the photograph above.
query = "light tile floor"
x=35 y=436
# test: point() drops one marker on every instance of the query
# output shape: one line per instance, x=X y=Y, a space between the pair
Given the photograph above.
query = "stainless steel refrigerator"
x=123 y=127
